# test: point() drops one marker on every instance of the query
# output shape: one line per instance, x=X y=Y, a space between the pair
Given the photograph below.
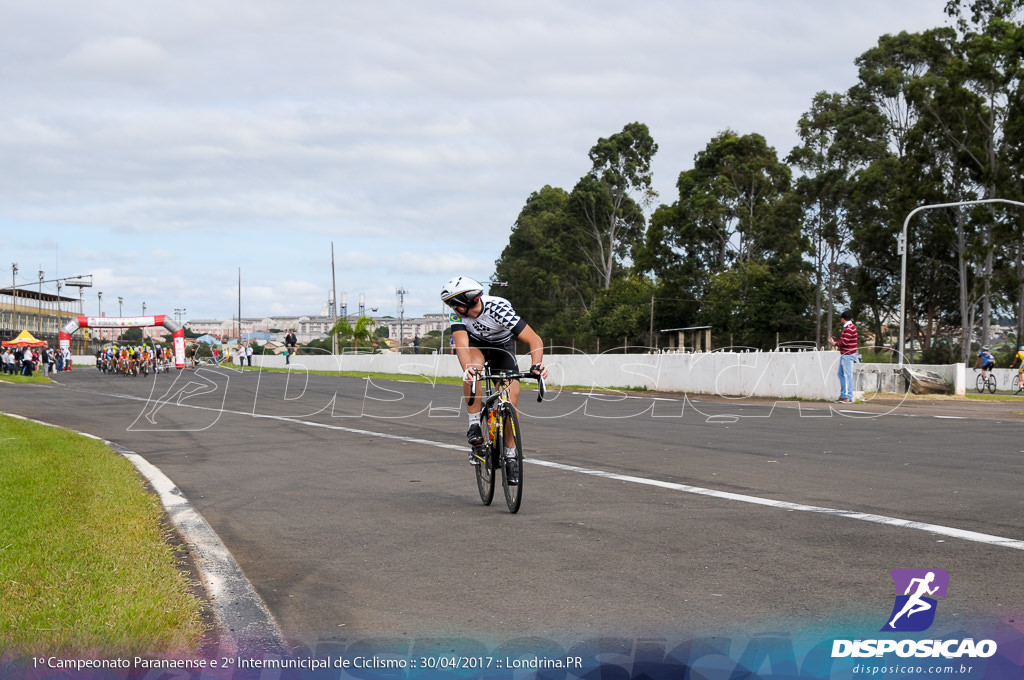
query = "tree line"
x=766 y=249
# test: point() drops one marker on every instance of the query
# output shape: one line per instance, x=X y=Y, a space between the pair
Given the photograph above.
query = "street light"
x=120 y=305
x=903 y=246
x=99 y=309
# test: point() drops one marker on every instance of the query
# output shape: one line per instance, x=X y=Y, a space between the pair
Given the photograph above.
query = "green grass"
x=998 y=396
x=36 y=377
x=86 y=565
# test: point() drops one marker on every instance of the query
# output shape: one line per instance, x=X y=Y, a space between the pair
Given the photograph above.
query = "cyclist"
x=987 y=361
x=1019 y=356
x=484 y=327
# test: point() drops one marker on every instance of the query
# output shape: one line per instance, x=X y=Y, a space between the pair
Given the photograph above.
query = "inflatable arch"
x=177 y=332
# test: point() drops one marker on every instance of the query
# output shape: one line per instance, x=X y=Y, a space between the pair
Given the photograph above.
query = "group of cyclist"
x=133 y=360
x=986 y=361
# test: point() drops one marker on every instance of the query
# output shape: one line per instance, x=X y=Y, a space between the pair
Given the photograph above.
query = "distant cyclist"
x=1019 y=356
x=986 y=360
x=484 y=327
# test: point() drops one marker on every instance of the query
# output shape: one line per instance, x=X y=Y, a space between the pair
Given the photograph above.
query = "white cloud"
x=116 y=58
x=207 y=137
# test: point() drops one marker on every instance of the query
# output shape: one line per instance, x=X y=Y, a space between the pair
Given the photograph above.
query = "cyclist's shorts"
x=988 y=367
x=501 y=356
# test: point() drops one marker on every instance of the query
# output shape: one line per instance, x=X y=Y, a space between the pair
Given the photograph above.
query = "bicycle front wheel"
x=991 y=383
x=1016 y=383
x=485 y=455
x=485 y=477
x=512 y=466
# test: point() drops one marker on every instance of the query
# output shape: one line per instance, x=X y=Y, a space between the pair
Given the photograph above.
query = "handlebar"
x=477 y=376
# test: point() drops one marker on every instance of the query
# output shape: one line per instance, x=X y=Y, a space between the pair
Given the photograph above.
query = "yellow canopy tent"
x=24 y=339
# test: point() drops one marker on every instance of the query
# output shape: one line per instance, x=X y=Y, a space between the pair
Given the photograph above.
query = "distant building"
x=309 y=328
x=250 y=328
x=415 y=327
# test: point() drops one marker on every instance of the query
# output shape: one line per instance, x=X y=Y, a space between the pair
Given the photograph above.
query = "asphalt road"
x=352 y=509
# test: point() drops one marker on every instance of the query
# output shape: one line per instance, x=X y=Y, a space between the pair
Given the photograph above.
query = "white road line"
x=785 y=505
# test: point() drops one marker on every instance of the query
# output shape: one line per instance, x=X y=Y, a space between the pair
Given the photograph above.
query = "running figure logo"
x=914 y=610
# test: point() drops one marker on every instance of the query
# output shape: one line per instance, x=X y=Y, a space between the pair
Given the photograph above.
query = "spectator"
x=290 y=342
x=847 y=346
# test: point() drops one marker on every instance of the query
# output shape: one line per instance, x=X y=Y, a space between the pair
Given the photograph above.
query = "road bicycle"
x=984 y=382
x=500 y=425
x=1016 y=386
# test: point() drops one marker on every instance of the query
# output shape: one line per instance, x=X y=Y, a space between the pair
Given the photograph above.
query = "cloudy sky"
x=164 y=147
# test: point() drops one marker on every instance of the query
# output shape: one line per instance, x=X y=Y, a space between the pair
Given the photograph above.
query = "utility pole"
x=334 y=304
x=39 y=314
x=401 y=318
x=650 y=342
x=14 y=294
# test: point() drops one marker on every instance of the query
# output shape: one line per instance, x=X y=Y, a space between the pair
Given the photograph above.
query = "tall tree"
x=543 y=267
x=833 y=146
x=612 y=197
x=986 y=64
x=889 y=186
x=729 y=195
x=735 y=209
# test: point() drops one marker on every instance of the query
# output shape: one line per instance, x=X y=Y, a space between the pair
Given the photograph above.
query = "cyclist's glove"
x=536 y=369
x=471 y=373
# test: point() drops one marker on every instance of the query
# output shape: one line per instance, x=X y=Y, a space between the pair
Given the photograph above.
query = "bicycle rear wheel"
x=512 y=468
x=979 y=384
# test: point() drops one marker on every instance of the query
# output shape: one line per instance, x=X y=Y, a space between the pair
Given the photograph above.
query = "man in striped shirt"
x=847 y=346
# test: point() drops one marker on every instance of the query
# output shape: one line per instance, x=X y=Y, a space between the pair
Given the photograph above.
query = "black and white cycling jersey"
x=496 y=324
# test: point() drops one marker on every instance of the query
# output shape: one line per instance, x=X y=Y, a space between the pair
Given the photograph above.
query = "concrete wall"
x=1004 y=378
x=804 y=375
x=887 y=379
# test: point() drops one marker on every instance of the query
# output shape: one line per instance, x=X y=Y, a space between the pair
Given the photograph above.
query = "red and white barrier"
x=177 y=332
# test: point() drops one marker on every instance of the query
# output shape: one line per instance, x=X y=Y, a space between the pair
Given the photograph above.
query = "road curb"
x=246 y=624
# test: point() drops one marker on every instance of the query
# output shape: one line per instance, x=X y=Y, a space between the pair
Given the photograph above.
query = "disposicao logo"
x=914 y=609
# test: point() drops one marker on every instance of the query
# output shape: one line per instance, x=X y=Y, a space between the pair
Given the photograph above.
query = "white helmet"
x=461 y=290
